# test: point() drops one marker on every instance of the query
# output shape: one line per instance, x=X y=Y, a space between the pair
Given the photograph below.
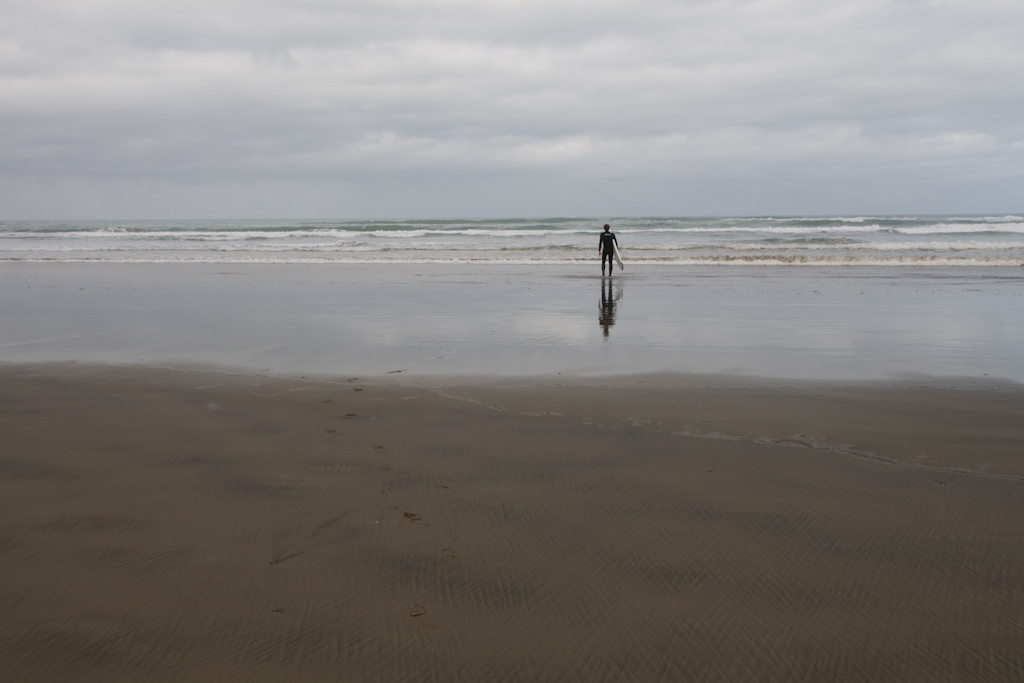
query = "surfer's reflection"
x=609 y=302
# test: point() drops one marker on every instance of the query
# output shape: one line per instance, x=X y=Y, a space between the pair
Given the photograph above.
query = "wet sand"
x=517 y=320
x=162 y=525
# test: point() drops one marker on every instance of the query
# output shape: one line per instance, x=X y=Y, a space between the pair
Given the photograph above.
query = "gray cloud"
x=459 y=107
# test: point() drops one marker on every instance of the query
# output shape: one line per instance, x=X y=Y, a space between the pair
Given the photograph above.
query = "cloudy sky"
x=459 y=108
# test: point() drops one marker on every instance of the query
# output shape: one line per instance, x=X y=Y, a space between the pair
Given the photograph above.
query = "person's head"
x=607 y=227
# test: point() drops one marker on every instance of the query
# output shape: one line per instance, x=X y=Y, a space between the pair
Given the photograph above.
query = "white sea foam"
x=378 y=258
x=790 y=246
x=964 y=228
x=837 y=241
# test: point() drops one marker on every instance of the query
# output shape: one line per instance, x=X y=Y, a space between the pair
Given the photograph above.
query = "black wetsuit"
x=607 y=245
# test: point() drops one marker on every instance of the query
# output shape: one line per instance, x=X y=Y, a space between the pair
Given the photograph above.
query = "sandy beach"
x=302 y=473
x=171 y=525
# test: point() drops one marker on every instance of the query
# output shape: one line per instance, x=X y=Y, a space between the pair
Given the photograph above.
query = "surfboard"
x=617 y=259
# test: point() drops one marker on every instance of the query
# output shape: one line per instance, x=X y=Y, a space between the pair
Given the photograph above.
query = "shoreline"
x=173 y=525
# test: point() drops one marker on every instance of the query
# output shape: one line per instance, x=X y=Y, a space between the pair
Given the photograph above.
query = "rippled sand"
x=197 y=526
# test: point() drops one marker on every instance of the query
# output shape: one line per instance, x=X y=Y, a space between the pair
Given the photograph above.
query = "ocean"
x=894 y=241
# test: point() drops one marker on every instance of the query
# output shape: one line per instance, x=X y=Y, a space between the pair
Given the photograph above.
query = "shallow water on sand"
x=429 y=320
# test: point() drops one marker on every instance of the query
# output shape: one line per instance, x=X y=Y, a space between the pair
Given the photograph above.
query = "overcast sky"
x=459 y=108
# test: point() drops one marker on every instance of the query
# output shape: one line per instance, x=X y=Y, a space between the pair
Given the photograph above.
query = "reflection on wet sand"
x=433 y=320
x=609 y=303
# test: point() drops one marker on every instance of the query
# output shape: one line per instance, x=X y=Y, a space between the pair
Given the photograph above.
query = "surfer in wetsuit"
x=606 y=247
